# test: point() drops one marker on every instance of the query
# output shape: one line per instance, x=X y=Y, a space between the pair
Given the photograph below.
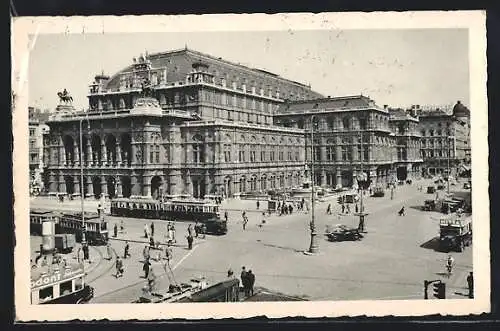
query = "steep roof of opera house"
x=331 y=103
x=179 y=63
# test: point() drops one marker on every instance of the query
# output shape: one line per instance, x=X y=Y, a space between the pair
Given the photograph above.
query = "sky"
x=397 y=67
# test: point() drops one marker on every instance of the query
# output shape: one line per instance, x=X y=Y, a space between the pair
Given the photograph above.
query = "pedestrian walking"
x=348 y=209
x=108 y=251
x=244 y=279
x=258 y=204
x=356 y=208
x=402 y=211
x=145 y=230
x=343 y=208
x=190 y=242
x=196 y=229
x=329 y=209
x=152 y=229
x=225 y=215
x=115 y=230
x=119 y=267
x=470 y=285
x=122 y=227
x=145 y=253
x=145 y=267
x=151 y=280
x=190 y=230
x=125 y=250
x=251 y=282
x=245 y=221
x=86 y=254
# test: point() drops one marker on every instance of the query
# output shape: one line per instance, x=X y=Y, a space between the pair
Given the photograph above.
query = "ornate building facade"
x=173 y=123
x=354 y=137
x=445 y=140
x=184 y=122
x=37 y=130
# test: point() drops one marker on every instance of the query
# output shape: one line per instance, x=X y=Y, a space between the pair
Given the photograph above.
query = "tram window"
x=65 y=288
x=103 y=226
x=46 y=293
x=78 y=283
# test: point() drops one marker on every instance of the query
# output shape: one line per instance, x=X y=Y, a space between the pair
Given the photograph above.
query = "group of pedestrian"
x=284 y=209
x=346 y=208
x=247 y=280
x=170 y=232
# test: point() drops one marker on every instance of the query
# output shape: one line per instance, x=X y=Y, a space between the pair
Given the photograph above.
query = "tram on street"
x=96 y=229
x=178 y=209
x=59 y=284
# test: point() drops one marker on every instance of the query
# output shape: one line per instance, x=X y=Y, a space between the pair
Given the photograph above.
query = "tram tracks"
x=106 y=269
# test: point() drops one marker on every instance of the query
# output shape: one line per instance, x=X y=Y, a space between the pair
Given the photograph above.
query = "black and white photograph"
x=321 y=165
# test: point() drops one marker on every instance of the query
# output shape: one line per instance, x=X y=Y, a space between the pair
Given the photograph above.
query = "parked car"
x=378 y=191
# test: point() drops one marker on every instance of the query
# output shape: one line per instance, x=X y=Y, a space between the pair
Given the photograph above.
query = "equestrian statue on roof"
x=65 y=97
x=147 y=88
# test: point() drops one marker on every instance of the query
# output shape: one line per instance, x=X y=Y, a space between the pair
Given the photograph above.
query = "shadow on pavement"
x=282 y=247
x=432 y=244
x=419 y=207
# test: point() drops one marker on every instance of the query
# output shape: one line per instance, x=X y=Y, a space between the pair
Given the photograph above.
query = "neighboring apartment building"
x=445 y=140
x=37 y=130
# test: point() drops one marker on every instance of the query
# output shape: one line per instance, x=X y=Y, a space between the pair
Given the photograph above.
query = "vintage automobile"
x=466 y=185
x=342 y=232
x=429 y=205
x=431 y=189
x=378 y=192
x=212 y=226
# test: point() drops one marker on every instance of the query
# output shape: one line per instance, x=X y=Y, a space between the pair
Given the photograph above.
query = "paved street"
x=388 y=263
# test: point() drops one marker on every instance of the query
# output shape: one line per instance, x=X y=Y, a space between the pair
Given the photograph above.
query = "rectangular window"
x=280 y=156
x=296 y=156
x=345 y=155
x=252 y=156
x=262 y=156
x=271 y=156
x=151 y=157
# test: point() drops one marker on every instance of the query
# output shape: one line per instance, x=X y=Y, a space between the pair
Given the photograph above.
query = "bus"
x=59 y=284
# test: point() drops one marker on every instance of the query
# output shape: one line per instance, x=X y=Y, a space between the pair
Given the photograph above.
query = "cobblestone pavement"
x=390 y=262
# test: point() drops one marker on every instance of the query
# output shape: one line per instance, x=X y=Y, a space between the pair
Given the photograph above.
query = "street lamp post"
x=82 y=196
x=314 y=246
x=362 y=214
x=448 y=173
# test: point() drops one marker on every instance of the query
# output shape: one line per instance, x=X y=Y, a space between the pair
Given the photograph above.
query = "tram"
x=59 y=284
x=96 y=229
x=179 y=209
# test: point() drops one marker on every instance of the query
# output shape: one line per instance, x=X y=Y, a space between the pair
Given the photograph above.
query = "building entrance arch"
x=96 y=187
x=70 y=185
x=111 y=184
x=126 y=186
x=156 y=187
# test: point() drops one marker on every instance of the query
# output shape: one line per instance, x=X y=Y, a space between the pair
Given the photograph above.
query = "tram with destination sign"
x=96 y=228
x=59 y=284
x=179 y=209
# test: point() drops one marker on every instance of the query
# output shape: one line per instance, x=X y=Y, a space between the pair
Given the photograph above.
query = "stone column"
x=90 y=188
x=53 y=187
x=62 y=184
x=338 y=177
x=146 y=186
x=175 y=182
x=118 y=154
x=104 y=187
x=323 y=177
x=104 y=156
x=119 y=192
x=76 y=154
x=76 y=181
x=90 y=158
x=62 y=153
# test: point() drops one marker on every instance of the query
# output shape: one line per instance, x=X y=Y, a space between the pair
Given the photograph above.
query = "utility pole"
x=314 y=246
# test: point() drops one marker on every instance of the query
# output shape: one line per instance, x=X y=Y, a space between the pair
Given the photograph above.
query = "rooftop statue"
x=147 y=89
x=65 y=97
